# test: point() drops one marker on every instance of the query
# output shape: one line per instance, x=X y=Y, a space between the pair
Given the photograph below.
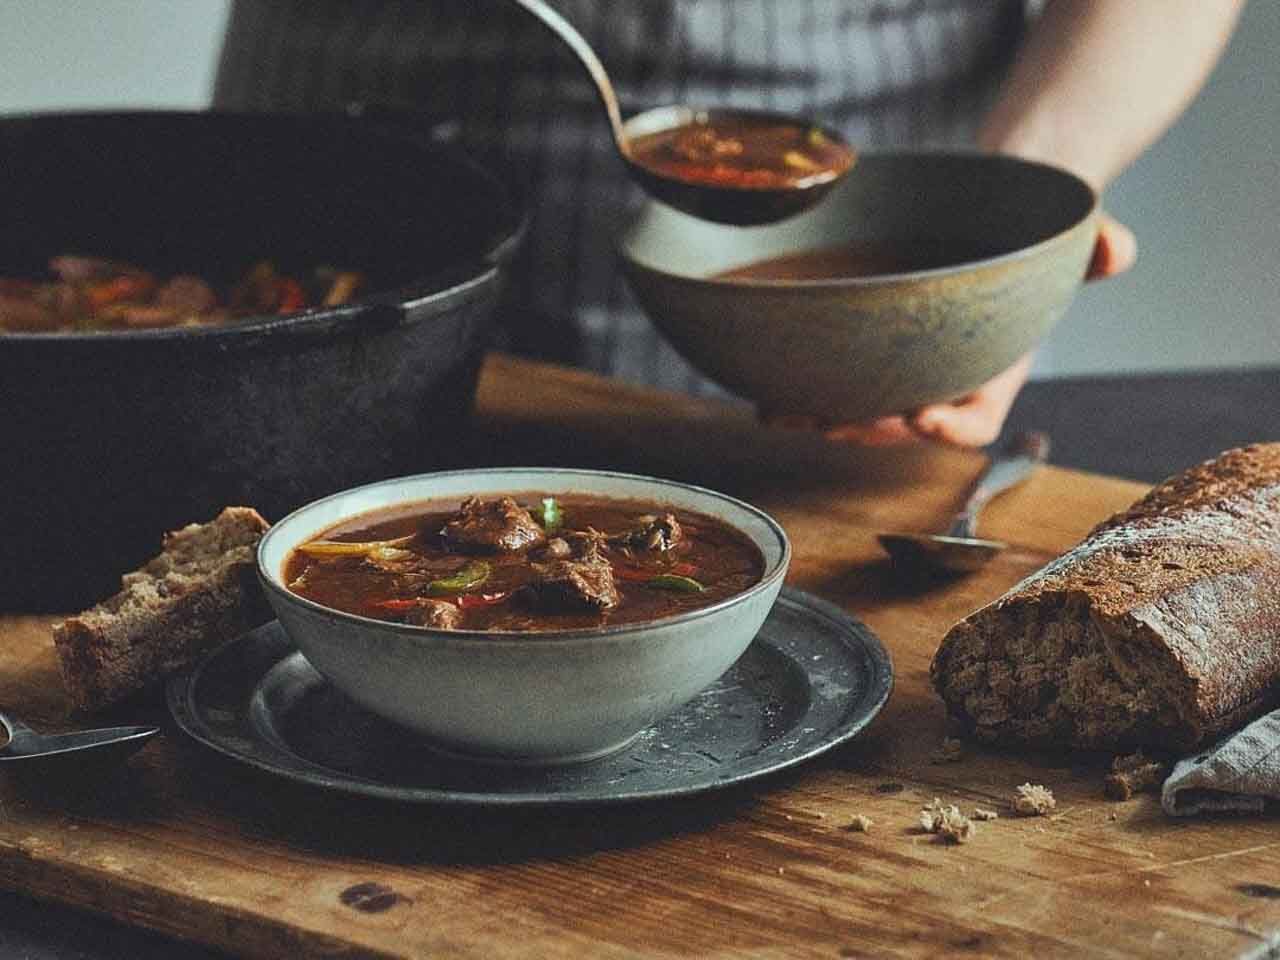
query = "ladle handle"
x=563 y=29
x=1008 y=469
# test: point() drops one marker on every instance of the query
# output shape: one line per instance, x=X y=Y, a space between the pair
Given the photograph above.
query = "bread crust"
x=199 y=592
x=1178 y=600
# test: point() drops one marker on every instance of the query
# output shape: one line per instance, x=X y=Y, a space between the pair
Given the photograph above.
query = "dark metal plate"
x=812 y=678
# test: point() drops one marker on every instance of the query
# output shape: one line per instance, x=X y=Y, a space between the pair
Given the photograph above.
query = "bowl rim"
x=272 y=582
x=630 y=262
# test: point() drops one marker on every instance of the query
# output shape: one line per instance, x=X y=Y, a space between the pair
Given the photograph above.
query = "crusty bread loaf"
x=1161 y=628
x=200 y=591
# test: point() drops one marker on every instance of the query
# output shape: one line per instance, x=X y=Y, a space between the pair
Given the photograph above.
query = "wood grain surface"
x=184 y=842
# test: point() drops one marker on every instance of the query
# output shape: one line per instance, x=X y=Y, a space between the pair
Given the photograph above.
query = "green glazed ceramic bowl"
x=994 y=248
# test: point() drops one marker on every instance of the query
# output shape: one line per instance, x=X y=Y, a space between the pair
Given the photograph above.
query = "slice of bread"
x=200 y=591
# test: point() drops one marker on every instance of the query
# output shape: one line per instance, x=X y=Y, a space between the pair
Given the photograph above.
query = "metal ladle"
x=959 y=549
x=723 y=203
x=25 y=745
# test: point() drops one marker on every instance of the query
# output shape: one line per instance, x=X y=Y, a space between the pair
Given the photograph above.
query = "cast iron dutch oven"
x=110 y=439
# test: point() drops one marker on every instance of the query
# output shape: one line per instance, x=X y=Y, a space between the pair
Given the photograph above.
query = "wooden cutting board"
x=187 y=843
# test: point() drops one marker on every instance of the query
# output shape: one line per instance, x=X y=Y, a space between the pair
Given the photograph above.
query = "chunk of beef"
x=40 y=307
x=586 y=544
x=492 y=525
x=574 y=584
x=573 y=574
x=186 y=294
x=651 y=533
x=24 y=315
x=439 y=614
x=65 y=300
x=557 y=548
x=140 y=315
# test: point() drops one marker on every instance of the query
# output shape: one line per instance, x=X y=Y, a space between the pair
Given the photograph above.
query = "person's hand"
x=971 y=421
x=975 y=420
x=1114 y=251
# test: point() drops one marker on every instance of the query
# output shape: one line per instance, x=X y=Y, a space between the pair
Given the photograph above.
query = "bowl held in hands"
x=987 y=253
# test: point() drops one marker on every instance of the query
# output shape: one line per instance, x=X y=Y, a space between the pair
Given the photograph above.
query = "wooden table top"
x=181 y=842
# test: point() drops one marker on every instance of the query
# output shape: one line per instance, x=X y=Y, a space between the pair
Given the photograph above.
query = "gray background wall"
x=1205 y=201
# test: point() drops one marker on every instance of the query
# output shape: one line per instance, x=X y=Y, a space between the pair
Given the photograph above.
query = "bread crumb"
x=956 y=826
x=860 y=824
x=950 y=751
x=946 y=821
x=1132 y=774
x=980 y=814
x=1033 y=800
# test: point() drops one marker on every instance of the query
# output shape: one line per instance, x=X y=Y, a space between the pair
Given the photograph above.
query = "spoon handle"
x=1009 y=468
x=563 y=29
x=13 y=728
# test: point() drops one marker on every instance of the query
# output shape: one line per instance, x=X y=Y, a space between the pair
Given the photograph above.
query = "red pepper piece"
x=395 y=604
x=624 y=571
x=291 y=297
x=129 y=286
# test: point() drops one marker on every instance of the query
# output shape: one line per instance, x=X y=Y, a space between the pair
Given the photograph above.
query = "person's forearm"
x=1097 y=81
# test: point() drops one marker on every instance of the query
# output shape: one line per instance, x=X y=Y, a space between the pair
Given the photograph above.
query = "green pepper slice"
x=468 y=578
x=552 y=516
x=673 y=581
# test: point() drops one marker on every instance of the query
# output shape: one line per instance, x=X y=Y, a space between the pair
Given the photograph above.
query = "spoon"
x=959 y=550
x=114 y=743
x=729 y=203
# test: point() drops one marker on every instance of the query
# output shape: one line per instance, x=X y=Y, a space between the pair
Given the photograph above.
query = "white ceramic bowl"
x=550 y=697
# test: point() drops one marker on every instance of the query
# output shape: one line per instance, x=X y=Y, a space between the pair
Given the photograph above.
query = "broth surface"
x=649 y=583
x=829 y=263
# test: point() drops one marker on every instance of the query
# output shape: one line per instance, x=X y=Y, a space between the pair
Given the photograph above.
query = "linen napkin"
x=1237 y=774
